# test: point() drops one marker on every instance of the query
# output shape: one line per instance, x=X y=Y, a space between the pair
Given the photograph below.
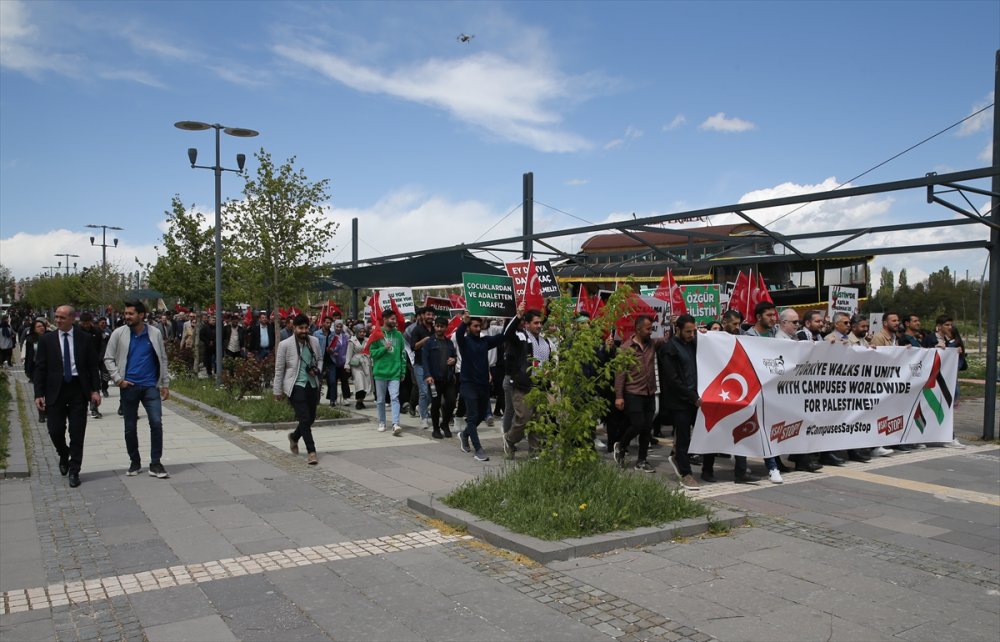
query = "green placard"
x=702 y=302
x=489 y=295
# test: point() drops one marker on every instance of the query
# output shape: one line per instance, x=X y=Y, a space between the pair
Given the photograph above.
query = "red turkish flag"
x=746 y=429
x=741 y=294
x=376 y=310
x=732 y=390
x=248 y=318
x=533 y=299
x=457 y=301
x=596 y=306
x=376 y=335
x=452 y=326
x=400 y=321
x=669 y=291
x=635 y=307
x=763 y=293
x=583 y=301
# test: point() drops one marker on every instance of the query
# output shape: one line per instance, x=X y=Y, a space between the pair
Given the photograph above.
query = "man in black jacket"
x=526 y=349
x=678 y=365
x=260 y=338
x=66 y=376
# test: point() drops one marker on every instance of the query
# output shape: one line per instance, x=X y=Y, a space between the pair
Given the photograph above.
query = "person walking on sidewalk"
x=296 y=376
x=439 y=358
x=475 y=380
x=66 y=376
x=635 y=394
x=388 y=369
x=526 y=351
x=137 y=363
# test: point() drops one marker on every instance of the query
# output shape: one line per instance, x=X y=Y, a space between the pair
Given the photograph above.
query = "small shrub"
x=263 y=410
x=550 y=501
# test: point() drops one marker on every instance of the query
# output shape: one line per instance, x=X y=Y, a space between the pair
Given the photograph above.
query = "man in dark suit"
x=66 y=378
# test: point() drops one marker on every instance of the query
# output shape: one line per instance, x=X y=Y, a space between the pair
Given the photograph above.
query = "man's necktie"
x=67 y=364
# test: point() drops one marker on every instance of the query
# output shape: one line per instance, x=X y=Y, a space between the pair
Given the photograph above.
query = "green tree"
x=186 y=268
x=6 y=284
x=278 y=232
x=886 y=286
x=567 y=393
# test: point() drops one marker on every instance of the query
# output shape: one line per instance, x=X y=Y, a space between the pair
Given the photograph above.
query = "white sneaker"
x=427 y=423
x=774 y=476
x=881 y=452
x=919 y=446
x=397 y=430
x=954 y=443
x=381 y=427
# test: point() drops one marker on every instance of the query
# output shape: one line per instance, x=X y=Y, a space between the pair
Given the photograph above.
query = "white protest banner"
x=518 y=270
x=661 y=320
x=402 y=296
x=763 y=397
x=843 y=300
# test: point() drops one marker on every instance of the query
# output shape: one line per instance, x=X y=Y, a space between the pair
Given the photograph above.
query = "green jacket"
x=386 y=365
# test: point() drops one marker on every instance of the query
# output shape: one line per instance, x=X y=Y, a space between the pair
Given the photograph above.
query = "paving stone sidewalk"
x=245 y=541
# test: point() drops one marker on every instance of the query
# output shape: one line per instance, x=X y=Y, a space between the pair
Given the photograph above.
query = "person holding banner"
x=679 y=390
x=475 y=380
x=388 y=369
x=767 y=314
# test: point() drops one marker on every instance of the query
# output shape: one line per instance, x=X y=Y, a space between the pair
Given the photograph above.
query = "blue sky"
x=617 y=108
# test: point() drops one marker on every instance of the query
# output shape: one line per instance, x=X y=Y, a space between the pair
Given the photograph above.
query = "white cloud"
x=574 y=182
x=514 y=100
x=26 y=254
x=631 y=133
x=133 y=75
x=981 y=120
x=20 y=46
x=986 y=155
x=678 y=120
x=720 y=123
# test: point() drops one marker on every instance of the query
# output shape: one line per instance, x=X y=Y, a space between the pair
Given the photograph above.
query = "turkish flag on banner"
x=741 y=294
x=669 y=291
x=533 y=299
x=732 y=390
x=583 y=301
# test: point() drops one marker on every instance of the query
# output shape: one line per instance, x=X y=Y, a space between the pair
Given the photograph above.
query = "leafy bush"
x=247 y=375
x=262 y=410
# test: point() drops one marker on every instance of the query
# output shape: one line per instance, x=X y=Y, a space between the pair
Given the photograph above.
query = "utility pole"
x=104 y=253
x=66 y=255
x=527 y=213
x=990 y=405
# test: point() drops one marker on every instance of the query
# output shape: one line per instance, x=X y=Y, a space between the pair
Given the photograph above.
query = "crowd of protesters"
x=471 y=370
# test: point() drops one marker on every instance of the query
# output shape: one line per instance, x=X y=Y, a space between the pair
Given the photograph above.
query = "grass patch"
x=6 y=398
x=265 y=410
x=548 y=501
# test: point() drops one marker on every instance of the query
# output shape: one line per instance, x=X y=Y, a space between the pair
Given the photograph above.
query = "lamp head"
x=241 y=161
x=116 y=242
x=91 y=240
x=192 y=155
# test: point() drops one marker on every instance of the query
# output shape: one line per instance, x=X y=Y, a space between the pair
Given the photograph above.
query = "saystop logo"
x=888 y=426
x=782 y=431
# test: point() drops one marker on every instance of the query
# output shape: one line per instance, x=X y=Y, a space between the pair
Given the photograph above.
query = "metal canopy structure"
x=429 y=269
x=936 y=185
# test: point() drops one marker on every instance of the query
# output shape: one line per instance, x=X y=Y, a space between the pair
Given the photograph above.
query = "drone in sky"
x=465 y=37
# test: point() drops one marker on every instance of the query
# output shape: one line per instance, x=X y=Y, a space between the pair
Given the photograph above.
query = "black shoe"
x=708 y=476
x=447 y=433
x=121 y=411
x=807 y=466
x=437 y=434
x=157 y=470
x=134 y=468
x=64 y=466
x=745 y=478
x=830 y=459
x=74 y=480
x=359 y=406
x=782 y=468
x=854 y=455
x=694 y=460
x=653 y=441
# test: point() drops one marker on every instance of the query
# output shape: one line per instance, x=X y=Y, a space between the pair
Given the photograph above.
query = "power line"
x=892 y=158
x=516 y=207
x=556 y=209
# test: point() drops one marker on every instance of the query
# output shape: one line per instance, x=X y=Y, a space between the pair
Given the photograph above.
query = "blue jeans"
x=149 y=397
x=330 y=374
x=425 y=392
x=390 y=388
x=477 y=401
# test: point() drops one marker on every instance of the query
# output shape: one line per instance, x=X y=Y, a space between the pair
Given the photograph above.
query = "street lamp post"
x=64 y=254
x=104 y=252
x=195 y=126
x=51 y=269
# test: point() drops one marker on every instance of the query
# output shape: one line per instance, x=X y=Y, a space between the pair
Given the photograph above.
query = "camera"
x=313 y=371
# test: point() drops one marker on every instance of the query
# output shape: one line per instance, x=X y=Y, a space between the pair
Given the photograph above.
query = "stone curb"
x=544 y=551
x=17 y=455
x=246 y=425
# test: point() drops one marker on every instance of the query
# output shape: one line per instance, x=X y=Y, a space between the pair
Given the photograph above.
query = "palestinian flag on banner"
x=935 y=396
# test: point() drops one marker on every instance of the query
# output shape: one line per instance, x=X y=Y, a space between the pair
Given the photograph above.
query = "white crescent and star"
x=740 y=380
